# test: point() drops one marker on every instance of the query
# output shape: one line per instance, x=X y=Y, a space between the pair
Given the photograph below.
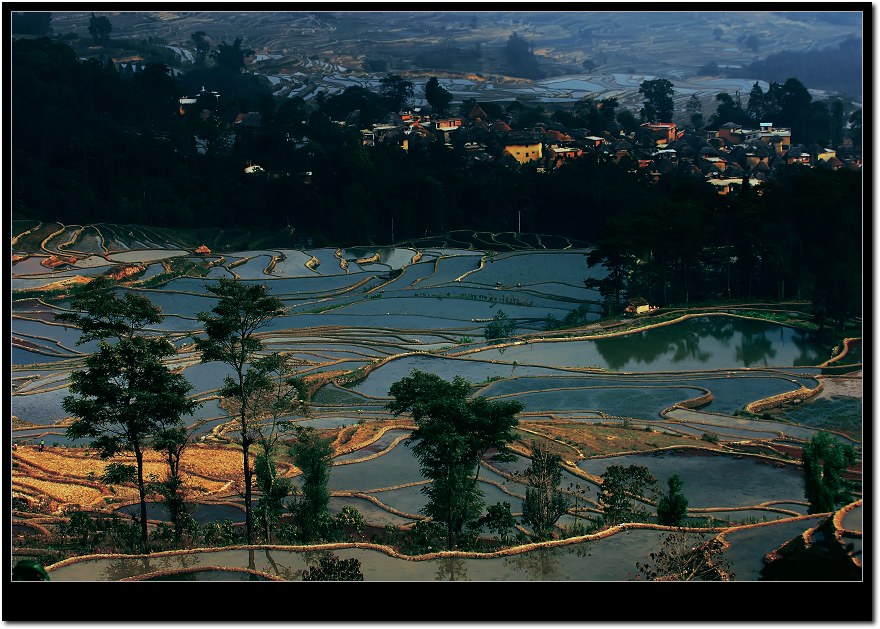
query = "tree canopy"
x=231 y=56
x=311 y=454
x=332 y=568
x=544 y=503
x=100 y=28
x=437 y=96
x=519 y=58
x=500 y=327
x=658 y=105
x=620 y=493
x=454 y=432
x=686 y=556
x=396 y=90
x=825 y=460
x=672 y=507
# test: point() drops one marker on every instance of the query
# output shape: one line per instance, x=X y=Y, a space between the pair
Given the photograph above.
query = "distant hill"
x=833 y=68
x=669 y=43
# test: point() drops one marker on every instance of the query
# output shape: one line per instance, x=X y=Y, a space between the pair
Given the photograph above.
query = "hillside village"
x=726 y=157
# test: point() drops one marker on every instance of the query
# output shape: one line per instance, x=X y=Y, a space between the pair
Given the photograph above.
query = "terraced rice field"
x=674 y=397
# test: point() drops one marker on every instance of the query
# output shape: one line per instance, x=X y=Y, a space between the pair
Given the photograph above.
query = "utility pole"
x=518 y=221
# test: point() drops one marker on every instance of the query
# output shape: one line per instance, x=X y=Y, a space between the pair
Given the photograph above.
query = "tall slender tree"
x=672 y=508
x=695 y=112
x=231 y=338
x=544 y=503
x=171 y=440
x=311 y=453
x=273 y=407
x=756 y=107
x=125 y=394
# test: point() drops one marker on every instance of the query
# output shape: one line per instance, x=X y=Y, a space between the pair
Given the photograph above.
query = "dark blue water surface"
x=700 y=343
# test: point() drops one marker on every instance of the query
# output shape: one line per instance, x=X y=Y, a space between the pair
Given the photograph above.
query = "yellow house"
x=525 y=152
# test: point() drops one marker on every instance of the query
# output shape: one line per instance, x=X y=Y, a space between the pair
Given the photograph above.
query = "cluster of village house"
x=725 y=157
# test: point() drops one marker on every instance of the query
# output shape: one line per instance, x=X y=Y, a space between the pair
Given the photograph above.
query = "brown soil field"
x=569 y=439
x=70 y=478
x=53 y=474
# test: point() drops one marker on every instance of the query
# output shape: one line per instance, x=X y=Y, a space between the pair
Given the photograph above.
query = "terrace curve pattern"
x=721 y=397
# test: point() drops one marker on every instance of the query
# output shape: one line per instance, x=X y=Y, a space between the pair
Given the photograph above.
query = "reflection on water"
x=119 y=568
x=280 y=570
x=612 y=558
x=451 y=569
x=695 y=342
x=201 y=512
x=209 y=575
x=755 y=349
x=714 y=479
x=538 y=565
x=700 y=343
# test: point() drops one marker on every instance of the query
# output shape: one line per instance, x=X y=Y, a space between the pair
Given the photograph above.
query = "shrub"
x=501 y=327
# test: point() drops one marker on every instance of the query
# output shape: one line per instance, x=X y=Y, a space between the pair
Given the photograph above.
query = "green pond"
x=699 y=343
x=713 y=479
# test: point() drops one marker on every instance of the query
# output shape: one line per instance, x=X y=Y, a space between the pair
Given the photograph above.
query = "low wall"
x=801 y=393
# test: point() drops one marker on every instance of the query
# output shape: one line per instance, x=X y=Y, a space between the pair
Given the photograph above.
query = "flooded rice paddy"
x=388 y=311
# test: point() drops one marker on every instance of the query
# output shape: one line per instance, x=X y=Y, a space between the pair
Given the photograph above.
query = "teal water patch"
x=373 y=514
x=609 y=559
x=747 y=423
x=447 y=269
x=713 y=479
x=524 y=268
x=380 y=444
x=40 y=408
x=380 y=380
x=202 y=513
x=637 y=402
x=397 y=467
x=853 y=519
x=696 y=344
x=748 y=546
x=405 y=499
x=61 y=338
